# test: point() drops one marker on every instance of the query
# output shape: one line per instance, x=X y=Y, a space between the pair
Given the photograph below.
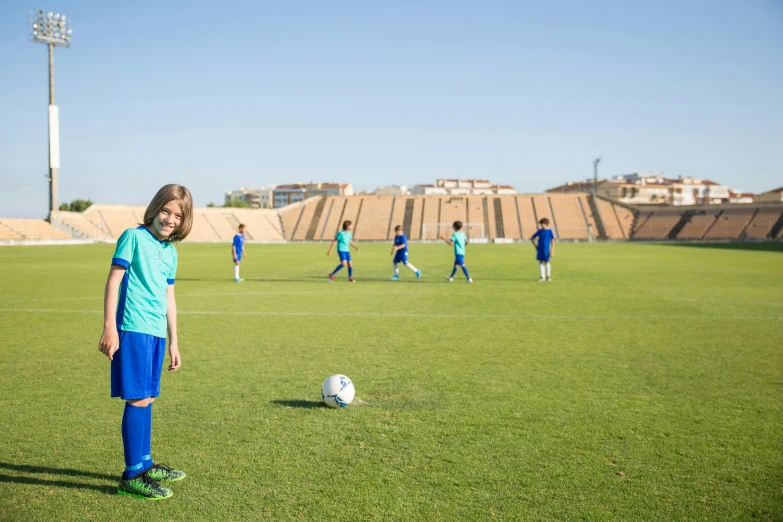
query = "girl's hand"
x=329 y=253
x=175 y=359
x=109 y=343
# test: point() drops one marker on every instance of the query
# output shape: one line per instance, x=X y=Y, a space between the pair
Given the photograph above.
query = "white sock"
x=548 y=270
x=412 y=267
x=542 y=269
x=236 y=271
x=396 y=269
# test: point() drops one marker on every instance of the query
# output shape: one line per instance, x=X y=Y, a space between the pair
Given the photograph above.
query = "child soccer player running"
x=139 y=308
x=400 y=251
x=238 y=251
x=344 y=239
x=544 y=243
x=458 y=240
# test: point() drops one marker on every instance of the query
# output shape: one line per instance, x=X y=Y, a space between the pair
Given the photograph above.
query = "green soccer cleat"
x=142 y=486
x=161 y=473
x=238 y=280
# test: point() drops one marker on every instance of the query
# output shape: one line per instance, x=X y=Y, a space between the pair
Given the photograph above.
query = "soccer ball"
x=337 y=391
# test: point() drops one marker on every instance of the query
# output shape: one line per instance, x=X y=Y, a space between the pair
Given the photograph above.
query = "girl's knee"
x=141 y=403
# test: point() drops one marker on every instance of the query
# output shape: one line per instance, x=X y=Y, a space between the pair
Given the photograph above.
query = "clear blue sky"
x=218 y=95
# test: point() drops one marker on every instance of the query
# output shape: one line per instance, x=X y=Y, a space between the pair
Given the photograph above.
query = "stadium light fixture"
x=54 y=30
x=596 y=161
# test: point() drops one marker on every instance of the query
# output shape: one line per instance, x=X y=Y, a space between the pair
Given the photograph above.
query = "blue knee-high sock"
x=465 y=271
x=453 y=271
x=146 y=453
x=133 y=424
x=339 y=267
x=350 y=272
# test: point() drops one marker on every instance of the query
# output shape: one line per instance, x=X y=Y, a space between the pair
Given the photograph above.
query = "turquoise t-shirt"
x=344 y=240
x=150 y=266
x=460 y=240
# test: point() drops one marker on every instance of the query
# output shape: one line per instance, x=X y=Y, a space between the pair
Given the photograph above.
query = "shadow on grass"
x=27 y=479
x=299 y=404
x=767 y=246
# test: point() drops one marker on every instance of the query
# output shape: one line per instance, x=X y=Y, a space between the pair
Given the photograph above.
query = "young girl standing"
x=139 y=309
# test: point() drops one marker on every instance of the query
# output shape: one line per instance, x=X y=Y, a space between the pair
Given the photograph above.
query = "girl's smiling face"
x=168 y=219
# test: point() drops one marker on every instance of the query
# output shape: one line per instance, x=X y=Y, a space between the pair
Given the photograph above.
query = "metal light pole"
x=596 y=161
x=52 y=29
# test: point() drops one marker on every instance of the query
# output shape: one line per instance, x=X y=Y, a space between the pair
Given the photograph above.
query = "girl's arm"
x=234 y=251
x=354 y=245
x=171 y=319
x=552 y=248
x=110 y=339
x=447 y=240
x=329 y=253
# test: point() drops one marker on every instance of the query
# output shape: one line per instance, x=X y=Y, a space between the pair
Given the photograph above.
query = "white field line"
x=413 y=294
x=418 y=315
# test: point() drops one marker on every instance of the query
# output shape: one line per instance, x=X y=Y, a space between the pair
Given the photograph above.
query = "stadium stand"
x=610 y=220
x=657 y=225
x=303 y=225
x=697 y=225
x=374 y=216
x=527 y=216
x=730 y=224
x=79 y=225
x=35 y=229
x=416 y=217
x=431 y=214
x=761 y=225
x=373 y=223
x=8 y=233
x=570 y=219
x=398 y=215
x=510 y=217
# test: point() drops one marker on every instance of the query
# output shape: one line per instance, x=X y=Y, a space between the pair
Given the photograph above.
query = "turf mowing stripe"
x=415 y=315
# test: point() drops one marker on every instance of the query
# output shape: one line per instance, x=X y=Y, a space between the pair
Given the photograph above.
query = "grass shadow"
x=761 y=246
x=299 y=404
x=36 y=481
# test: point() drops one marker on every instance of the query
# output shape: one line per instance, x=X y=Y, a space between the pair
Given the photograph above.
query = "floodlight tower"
x=596 y=161
x=52 y=29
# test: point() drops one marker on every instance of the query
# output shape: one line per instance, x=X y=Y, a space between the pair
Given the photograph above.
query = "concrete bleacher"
x=730 y=224
x=30 y=229
x=79 y=225
x=762 y=223
x=697 y=226
x=502 y=217
x=657 y=225
x=569 y=217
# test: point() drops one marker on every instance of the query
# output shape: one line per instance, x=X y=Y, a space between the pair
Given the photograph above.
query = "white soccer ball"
x=337 y=391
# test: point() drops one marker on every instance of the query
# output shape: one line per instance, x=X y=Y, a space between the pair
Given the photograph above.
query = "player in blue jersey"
x=344 y=240
x=544 y=242
x=400 y=252
x=459 y=241
x=138 y=310
x=238 y=251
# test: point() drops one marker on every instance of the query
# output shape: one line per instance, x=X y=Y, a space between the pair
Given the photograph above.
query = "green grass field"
x=644 y=383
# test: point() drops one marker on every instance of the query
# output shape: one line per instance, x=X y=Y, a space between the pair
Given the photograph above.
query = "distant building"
x=456 y=187
x=646 y=189
x=255 y=198
x=287 y=194
x=741 y=197
x=392 y=190
x=773 y=196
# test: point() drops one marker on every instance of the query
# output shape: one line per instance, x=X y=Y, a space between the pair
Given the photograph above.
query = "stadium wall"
x=498 y=218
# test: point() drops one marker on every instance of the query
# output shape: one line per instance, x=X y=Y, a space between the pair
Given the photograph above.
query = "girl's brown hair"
x=347 y=224
x=182 y=196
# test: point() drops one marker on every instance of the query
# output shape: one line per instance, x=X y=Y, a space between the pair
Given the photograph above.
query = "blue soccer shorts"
x=543 y=257
x=344 y=256
x=137 y=365
x=459 y=260
x=401 y=256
